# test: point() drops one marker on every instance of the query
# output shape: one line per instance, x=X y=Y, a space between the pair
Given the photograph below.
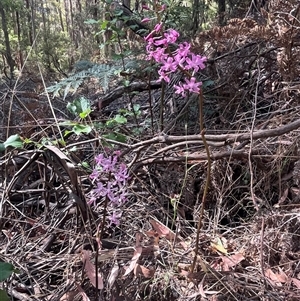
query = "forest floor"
x=249 y=246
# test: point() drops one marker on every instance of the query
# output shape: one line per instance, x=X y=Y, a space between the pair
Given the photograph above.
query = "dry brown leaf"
x=282 y=277
x=296 y=282
x=184 y=273
x=90 y=270
x=275 y=279
x=162 y=230
x=113 y=275
x=69 y=296
x=231 y=261
x=136 y=255
x=135 y=258
x=138 y=239
x=270 y=274
x=141 y=270
x=201 y=288
x=151 y=233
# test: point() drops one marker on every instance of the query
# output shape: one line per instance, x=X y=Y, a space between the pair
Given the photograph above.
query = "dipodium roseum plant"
x=182 y=59
x=110 y=177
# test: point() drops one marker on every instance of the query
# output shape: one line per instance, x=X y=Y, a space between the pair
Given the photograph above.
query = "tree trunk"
x=29 y=20
x=221 y=12
x=60 y=16
x=20 y=53
x=95 y=15
x=195 y=16
x=9 y=59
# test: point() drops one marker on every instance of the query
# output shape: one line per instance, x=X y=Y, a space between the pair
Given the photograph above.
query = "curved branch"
x=226 y=138
x=202 y=156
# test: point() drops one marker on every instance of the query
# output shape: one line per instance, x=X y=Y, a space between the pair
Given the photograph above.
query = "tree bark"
x=20 y=54
x=9 y=59
x=195 y=16
x=221 y=12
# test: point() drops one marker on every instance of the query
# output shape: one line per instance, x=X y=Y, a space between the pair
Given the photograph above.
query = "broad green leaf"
x=207 y=83
x=120 y=119
x=136 y=107
x=110 y=123
x=84 y=103
x=104 y=24
x=115 y=136
x=85 y=164
x=72 y=108
x=3 y=296
x=84 y=114
x=137 y=131
x=6 y=269
x=80 y=107
x=99 y=126
x=14 y=141
x=80 y=128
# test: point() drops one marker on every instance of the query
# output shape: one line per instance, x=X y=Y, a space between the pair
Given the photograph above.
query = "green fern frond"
x=102 y=72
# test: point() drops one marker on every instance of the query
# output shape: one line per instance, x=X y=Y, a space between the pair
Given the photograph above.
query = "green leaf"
x=137 y=131
x=80 y=106
x=3 y=296
x=67 y=132
x=80 y=128
x=62 y=142
x=28 y=141
x=126 y=83
x=116 y=137
x=6 y=269
x=207 y=83
x=136 y=109
x=14 y=141
x=72 y=108
x=85 y=164
x=84 y=114
x=104 y=25
x=120 y=119
x=110 y=123
x=99 y=126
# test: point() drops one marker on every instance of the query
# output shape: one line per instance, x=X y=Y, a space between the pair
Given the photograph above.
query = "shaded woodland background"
x=57 y=53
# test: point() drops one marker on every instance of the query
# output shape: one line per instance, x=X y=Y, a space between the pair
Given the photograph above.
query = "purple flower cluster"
x=110 y=178
x=181 y=59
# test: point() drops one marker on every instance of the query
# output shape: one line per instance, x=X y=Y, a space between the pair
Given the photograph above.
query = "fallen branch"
x=119 y=92
x=225 y=138
x=192 y=158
